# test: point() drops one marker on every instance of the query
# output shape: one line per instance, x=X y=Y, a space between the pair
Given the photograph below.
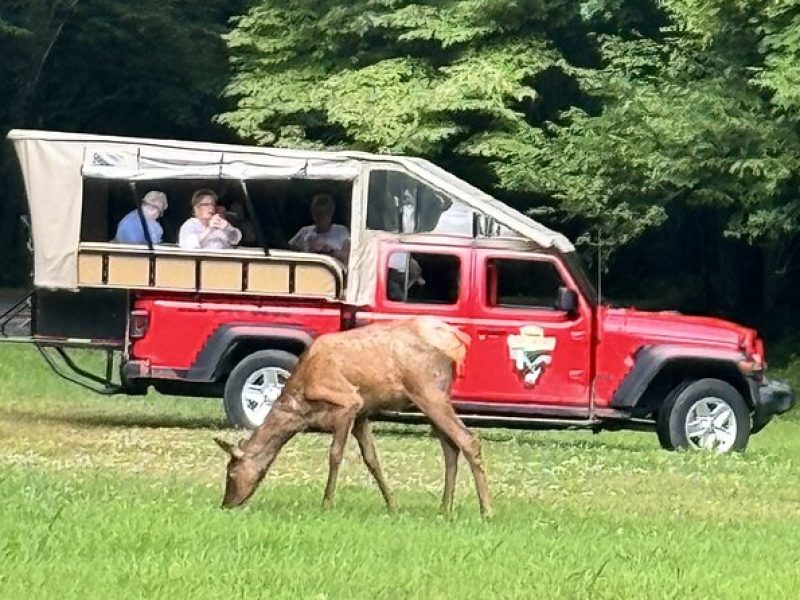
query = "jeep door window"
x=522 y=283
x=400 y=203
x=422 y=278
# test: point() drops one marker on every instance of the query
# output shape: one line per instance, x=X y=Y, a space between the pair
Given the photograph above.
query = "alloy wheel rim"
x=259 y=392
x=711 y=425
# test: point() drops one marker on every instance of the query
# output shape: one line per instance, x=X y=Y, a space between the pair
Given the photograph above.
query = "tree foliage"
x=601 y=111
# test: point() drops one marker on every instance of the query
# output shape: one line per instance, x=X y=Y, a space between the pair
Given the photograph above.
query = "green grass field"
x=118 y=498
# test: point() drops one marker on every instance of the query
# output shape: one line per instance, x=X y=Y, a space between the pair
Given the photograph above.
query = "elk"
x=345 y=377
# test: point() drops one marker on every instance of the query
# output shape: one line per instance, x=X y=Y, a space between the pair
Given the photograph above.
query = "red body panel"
x=523 y=356
x=492 y=375
x=181 y=325
x=623 y=331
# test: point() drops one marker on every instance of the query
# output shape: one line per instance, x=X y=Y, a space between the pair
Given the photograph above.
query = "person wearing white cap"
x=130 y=229
x=324 y=236
x=398 y=283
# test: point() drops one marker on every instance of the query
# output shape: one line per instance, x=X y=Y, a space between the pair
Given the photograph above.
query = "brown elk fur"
x=344 y=378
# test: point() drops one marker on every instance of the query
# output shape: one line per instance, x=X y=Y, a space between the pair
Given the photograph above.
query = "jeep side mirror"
x=567 y=300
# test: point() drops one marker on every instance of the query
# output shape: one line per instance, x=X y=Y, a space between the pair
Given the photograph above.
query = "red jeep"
x=544 y=351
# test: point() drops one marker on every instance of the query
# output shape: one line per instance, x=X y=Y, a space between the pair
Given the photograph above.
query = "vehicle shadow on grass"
x=102 y=420
x=589 y=445
x=382 y=429
x=570 y=441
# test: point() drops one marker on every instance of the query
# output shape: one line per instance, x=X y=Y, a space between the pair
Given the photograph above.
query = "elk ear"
x=233 y=450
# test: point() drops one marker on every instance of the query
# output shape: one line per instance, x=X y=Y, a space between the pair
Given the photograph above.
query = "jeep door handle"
x=487 y=334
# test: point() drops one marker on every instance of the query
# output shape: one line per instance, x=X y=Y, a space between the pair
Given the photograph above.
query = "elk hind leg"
x=450 y=452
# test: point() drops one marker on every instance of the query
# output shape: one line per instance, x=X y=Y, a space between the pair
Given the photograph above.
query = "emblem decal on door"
x=531 y=352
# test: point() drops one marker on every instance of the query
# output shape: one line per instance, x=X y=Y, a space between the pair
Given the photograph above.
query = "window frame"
x=496 y=281
x=416 y=307
x=493 y=309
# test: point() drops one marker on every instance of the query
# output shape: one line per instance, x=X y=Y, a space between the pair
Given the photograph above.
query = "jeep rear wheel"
x=254 y=385
x=708 y=414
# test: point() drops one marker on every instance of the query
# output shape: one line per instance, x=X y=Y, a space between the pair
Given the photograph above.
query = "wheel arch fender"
x=230 y=343
x=659 y=369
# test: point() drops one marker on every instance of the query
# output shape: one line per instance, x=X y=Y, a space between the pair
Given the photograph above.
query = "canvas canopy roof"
x=54 y=165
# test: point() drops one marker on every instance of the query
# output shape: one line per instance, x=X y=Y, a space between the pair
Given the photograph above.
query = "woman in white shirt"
x=207 y=230
x=324 y=236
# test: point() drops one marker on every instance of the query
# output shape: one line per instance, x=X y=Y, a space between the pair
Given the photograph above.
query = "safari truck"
x=544 y=352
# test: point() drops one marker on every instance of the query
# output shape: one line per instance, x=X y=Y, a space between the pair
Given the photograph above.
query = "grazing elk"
x=345 y=377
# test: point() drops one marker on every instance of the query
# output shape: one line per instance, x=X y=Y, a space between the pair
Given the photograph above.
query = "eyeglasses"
x=206 y=204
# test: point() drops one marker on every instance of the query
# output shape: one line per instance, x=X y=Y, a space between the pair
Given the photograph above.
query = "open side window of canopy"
x=278 y=207
x=400 y=203
x=279 y=190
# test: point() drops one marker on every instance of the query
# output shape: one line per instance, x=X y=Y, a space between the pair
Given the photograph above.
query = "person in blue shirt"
x=130 y=230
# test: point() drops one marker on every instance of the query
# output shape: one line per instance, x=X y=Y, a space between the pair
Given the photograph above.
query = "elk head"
x=244 y=473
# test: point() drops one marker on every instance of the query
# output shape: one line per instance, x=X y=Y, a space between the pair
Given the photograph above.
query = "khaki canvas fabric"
x=54 y=165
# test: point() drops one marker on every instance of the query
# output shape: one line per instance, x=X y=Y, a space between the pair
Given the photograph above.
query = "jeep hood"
x=673 y=327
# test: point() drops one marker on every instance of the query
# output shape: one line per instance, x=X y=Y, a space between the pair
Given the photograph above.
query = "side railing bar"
x=108 y=387
x=8 y=315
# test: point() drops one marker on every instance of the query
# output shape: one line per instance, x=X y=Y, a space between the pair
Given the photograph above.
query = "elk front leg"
x=363 y=434
x=450 y=452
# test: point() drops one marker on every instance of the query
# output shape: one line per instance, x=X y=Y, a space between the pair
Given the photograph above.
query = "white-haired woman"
x=206 y=229
x=130 y=230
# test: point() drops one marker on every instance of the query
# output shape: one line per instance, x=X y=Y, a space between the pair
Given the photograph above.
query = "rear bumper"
x=770 y=398
x=142 y=369
x=135 y=369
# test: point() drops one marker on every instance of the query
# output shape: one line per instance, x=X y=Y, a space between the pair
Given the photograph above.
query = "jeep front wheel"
x=254 y=385
x=708 y=414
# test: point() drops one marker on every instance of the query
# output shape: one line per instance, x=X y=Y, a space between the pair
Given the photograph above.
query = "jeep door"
x=524 y=349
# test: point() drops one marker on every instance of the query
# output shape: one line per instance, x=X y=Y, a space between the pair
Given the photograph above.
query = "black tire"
x=662 y=424
x=238 y=410
x=674 y=414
